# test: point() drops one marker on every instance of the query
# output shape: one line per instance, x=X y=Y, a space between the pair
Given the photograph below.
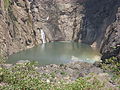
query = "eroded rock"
x=62 y=20
x=111 y=43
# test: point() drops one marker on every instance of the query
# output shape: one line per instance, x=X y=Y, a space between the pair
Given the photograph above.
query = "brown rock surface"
x=111 y=42
x=62 y=20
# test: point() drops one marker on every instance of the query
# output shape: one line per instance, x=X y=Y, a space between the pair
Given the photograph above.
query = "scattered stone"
x=48 y=81
x=70 y=71
x=6 y=65
x=22 y=61
x=3 y=84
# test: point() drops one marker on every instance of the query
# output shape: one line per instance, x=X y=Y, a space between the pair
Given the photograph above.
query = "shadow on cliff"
x=99 y=14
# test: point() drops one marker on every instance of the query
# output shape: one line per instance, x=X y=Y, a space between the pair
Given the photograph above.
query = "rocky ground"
x=68 y=73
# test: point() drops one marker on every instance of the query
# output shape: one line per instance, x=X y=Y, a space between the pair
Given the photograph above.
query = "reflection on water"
x=57 y=53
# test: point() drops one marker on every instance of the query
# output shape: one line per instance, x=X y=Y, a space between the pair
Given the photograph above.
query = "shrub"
x=6 y=3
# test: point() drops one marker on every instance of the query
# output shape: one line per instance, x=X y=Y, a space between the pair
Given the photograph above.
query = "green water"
x=57 y=53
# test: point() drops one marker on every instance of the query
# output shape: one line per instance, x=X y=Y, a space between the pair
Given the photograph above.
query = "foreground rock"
x=68 y=73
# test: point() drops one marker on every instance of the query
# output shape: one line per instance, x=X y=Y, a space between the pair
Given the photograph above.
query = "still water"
x=57 y=53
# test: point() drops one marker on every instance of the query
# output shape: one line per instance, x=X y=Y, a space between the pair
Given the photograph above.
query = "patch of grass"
x=22 y=77
x=45 y=75
x=63 y=73
x=52 y=74
x=112 y=65
x=6 y=3
x=81 y=84
x=2 y=60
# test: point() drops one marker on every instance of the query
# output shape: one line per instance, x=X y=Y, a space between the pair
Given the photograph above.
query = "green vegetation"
x=63 y=73
x=112 y=66
x=6 y=3
x=25 y=77
x=2 y=60
x=21 y=77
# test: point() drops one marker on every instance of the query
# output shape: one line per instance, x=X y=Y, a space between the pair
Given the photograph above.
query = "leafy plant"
x=22 y=77
x=2 y=60
x=63 y=73
x=6 y=3
x=112 y=65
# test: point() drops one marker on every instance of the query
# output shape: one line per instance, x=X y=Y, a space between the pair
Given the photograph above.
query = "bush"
x=112 y=65
x=2 y=60
x=6 y=3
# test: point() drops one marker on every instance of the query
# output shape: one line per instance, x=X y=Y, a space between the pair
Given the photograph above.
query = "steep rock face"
x=22 y=20
x=99 y=14
x=61 y=20
x=16 y=27
x=111 y=42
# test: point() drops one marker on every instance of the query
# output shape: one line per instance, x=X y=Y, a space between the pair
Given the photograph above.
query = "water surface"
x=57 y=53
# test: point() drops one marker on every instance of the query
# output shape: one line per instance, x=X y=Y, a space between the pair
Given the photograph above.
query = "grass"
x=2 y=60
x=6 y=3
x=25 y=77
x=112 y=65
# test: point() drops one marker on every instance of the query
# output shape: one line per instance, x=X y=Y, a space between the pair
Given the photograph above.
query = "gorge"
x=66 y=37
x=86 y=21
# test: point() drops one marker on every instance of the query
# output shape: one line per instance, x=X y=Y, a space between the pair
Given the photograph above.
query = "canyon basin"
x=57 y=53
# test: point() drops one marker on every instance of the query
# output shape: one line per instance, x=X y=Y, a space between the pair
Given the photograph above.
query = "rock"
x=62 y=20
x=48 y=81
x=81 y=75
x=110 y=45
x=95 y=70
x=85 y=70
x=94 y=45
x=97 y=19
x=72 y=71
x=103 y=79
x=3 y=84
x=97 y=64
x=6 y=65
x=22 y=61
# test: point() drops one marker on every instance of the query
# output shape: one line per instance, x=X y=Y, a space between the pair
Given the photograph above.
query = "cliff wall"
x=62 y=20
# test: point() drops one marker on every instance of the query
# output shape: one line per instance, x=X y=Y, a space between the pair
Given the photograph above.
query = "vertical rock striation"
x=61 y=20
x=22 y=20
x=111 y=42
x=99 y=14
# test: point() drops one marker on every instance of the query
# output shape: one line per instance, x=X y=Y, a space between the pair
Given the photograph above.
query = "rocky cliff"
x=111 y=42
x=62 y=20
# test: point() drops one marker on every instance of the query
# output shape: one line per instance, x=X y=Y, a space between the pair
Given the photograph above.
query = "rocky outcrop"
x=16 y=27
x=61 y=20
x=99 y=14
x=22 y=20
x=111 y=42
